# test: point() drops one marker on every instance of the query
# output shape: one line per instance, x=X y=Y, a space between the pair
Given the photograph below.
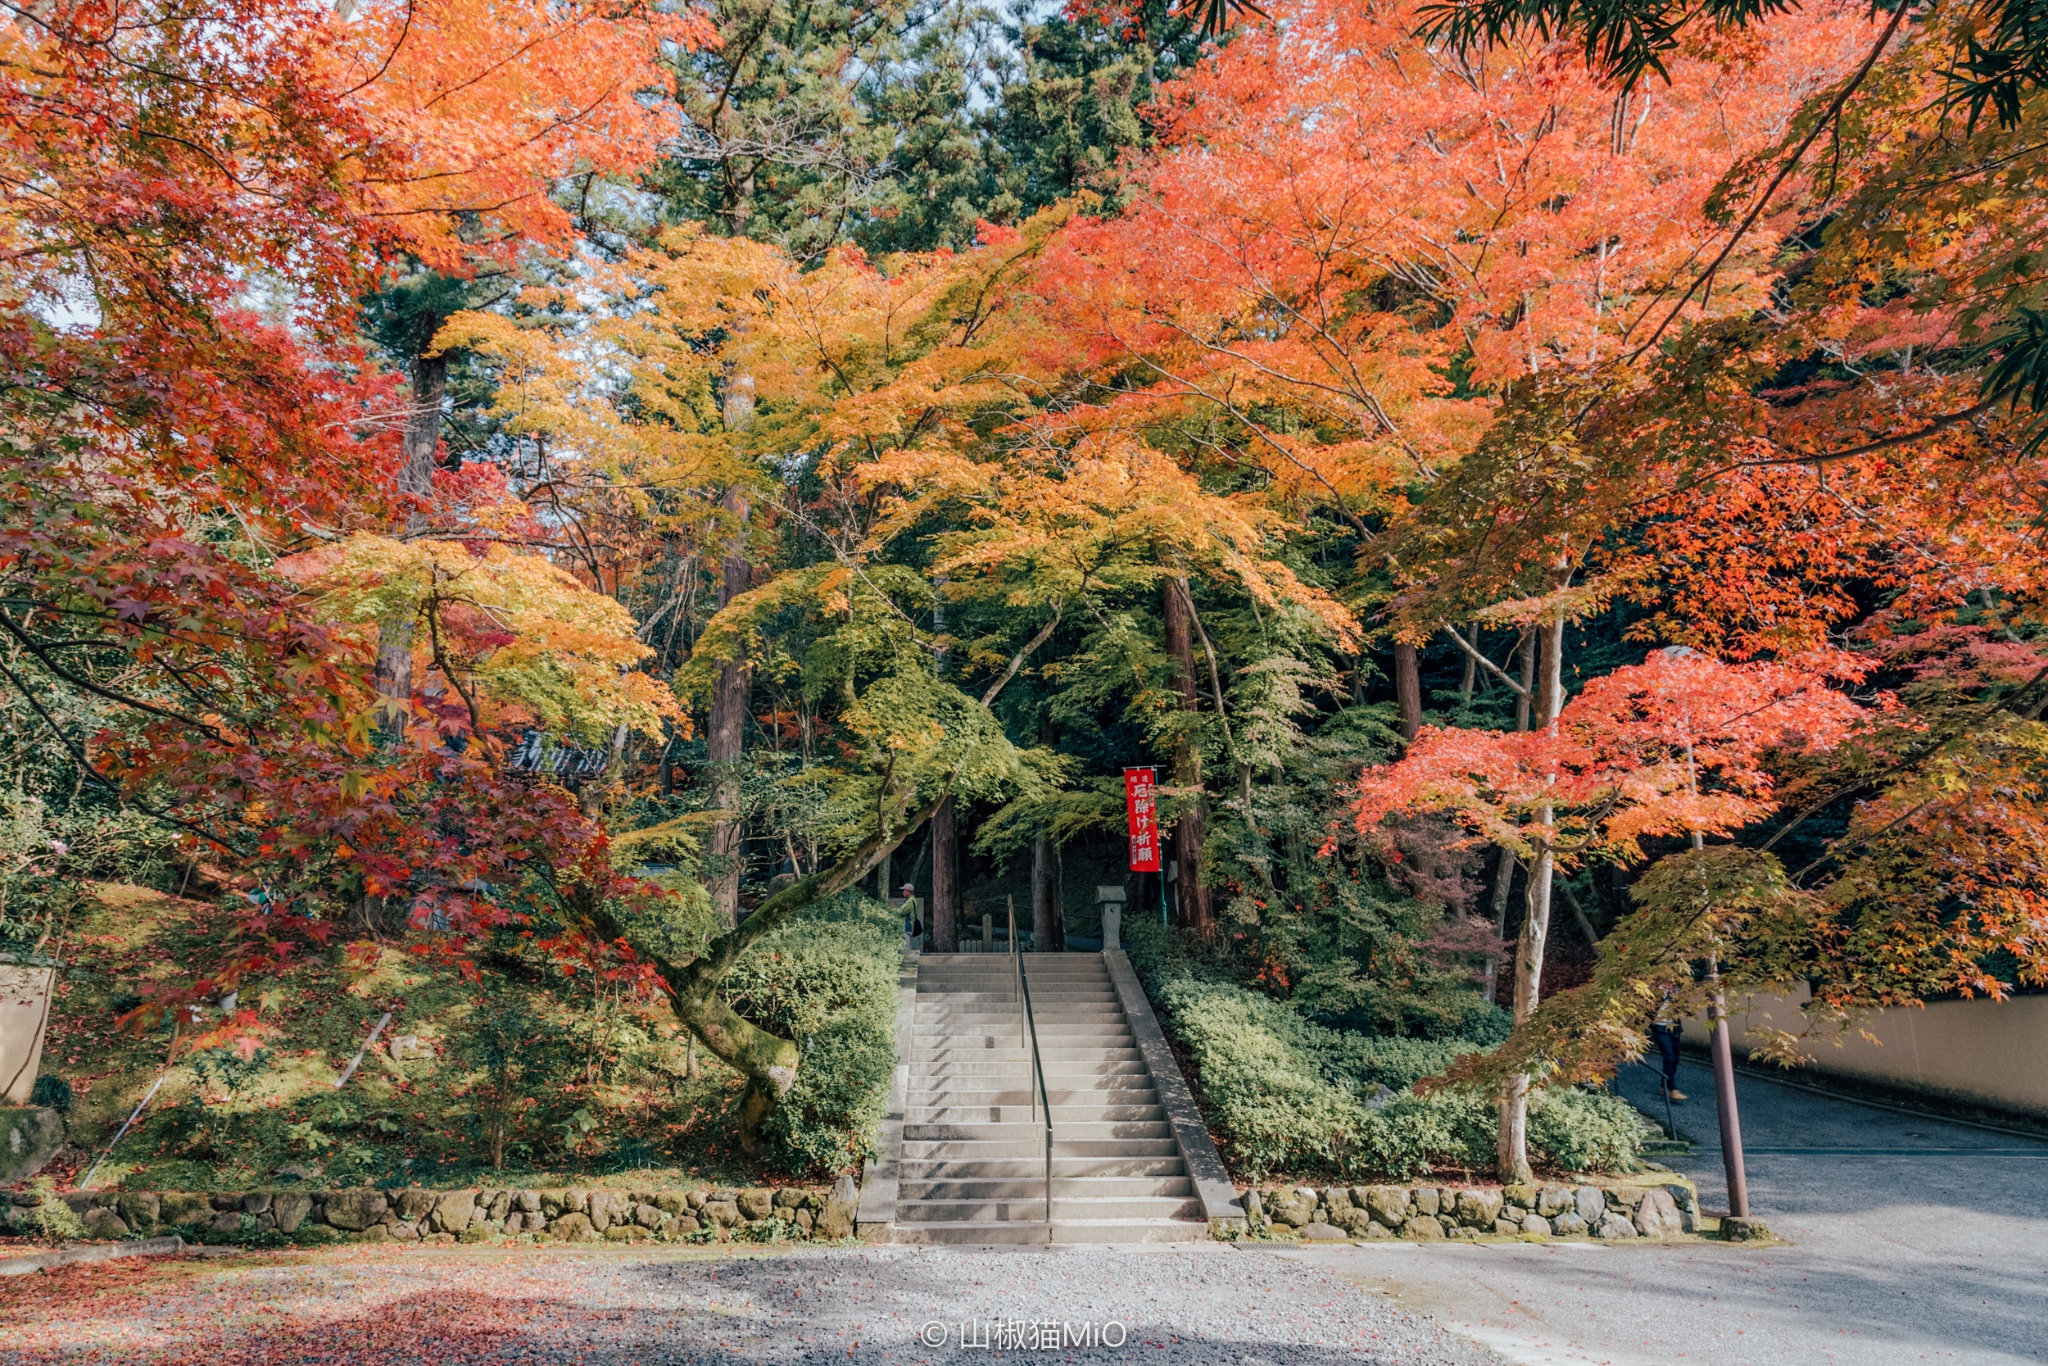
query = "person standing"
x=1666 y=1032
x=913 y=914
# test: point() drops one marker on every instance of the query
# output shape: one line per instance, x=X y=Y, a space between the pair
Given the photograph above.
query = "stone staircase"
x=973 y=1163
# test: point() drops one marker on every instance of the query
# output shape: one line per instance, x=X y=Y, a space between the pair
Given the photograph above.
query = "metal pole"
x=1724 y=1095
x=86 y=1184
x=1048 y=1172
x=357 y=1060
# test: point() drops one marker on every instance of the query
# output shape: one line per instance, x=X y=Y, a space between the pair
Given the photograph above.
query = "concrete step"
x=1064 y=1117
x=1084 y=1131
x=1077 y=1123
x=992 y=1069
x=1064 y=1146
x=931 y=1043
x=1130 y=1231
x=1021 y=1131
x=1091 y=1210
x=1033 y=1168
x=936 y=1092
x=971 y=1211
x=1057 y=1069
x=1091 y=1156
x=974 y=1234
x=1063 y=1188
x=1021 y=1096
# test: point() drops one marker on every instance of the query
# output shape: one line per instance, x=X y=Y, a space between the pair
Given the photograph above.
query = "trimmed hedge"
x=1288 y=1095
x=827 y=978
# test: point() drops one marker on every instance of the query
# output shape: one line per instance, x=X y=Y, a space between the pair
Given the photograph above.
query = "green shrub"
x=676 y=925
x=1269 y=1097
x=1396 y=1064
x=514 y=1057
x=1289 y=1095
x=1585 y=1131
x=775 y=1230
x=49 y=1220
x=828 y=978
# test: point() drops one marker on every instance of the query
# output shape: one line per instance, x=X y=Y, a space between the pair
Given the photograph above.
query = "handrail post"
x=1023 y=1017
x=1041 y=1096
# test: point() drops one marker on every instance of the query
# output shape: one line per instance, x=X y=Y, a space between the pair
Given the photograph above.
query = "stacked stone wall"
x=478 y=1214
x=1421 y=1213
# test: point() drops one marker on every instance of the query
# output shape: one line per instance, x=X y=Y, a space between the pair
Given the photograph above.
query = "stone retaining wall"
x=1421 y=1213
x=462 y=1216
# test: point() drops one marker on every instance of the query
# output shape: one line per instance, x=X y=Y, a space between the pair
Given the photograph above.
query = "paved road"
x=1912 y=1240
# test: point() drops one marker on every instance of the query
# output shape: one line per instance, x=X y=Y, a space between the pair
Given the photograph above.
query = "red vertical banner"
x=1141 y=807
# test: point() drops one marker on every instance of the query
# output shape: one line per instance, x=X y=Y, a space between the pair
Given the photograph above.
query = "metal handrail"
x=1041 y=1099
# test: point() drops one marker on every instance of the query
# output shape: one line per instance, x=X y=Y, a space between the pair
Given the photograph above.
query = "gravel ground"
x=1206 y=1303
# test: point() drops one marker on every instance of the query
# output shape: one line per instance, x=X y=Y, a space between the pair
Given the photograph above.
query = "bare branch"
x=1491 y=667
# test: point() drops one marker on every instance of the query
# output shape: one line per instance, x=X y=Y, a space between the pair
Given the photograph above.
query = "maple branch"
x=1833 y=111
x=510 y=57
x=1491 y=667
x=35 y=648
x=404 y=31
x=1215 y=679
x=85 y=766
x=1940 y=424
x=1256 y=429
x=1990 y=705
x=448 y=671
x=1877 y=834
x=1017 y=660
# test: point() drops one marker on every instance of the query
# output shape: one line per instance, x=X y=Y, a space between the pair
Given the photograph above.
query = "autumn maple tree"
x=1674 y=747
x=175 y=165
x=1678 y=401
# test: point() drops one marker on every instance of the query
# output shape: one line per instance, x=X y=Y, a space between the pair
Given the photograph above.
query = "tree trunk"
x=945 y=880
x=423 y=421
x=1503 y=889
x=1197 y=908
x=1512 y=1152
x=725 y=737
x=1527 y=697
x=1044 y=933
x=767 y=1061
x=1408 y=688
x=416 y=478
x=1504 y=867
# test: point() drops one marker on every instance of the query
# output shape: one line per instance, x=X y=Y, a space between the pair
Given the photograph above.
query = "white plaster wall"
x=1990 y=1052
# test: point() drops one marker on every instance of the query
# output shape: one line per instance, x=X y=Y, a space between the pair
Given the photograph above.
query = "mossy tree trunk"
x=768 y=1061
